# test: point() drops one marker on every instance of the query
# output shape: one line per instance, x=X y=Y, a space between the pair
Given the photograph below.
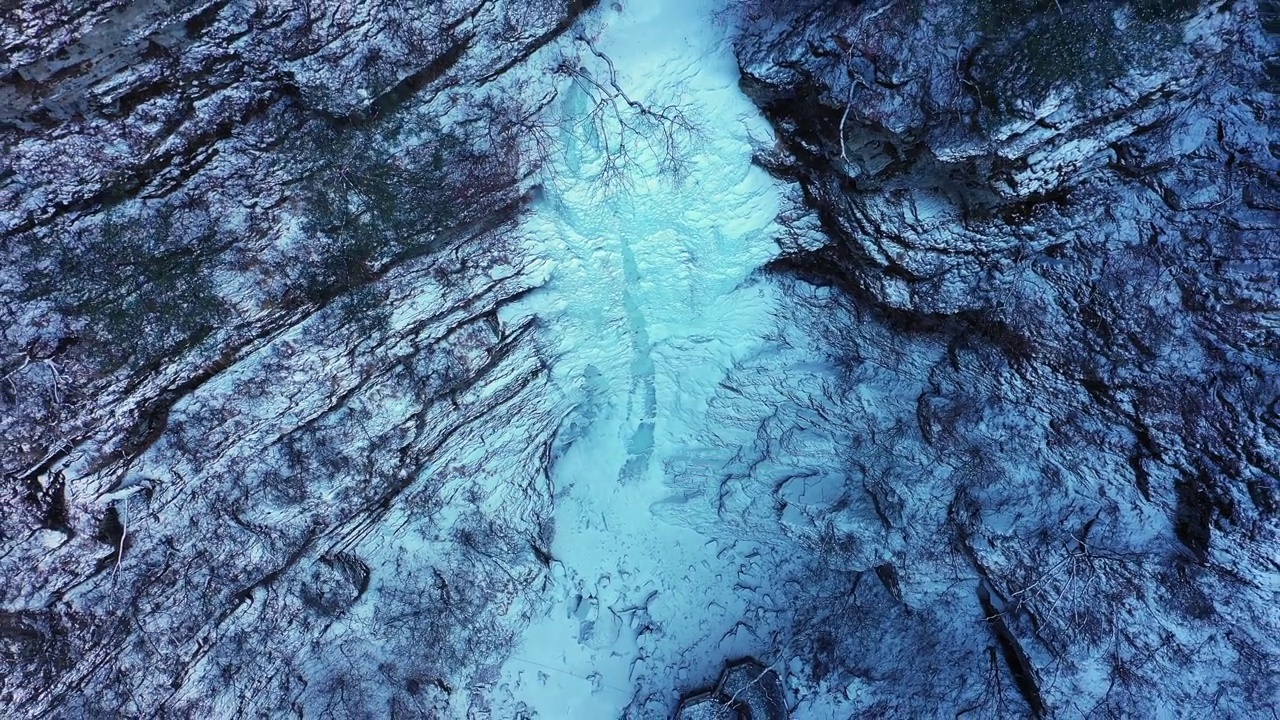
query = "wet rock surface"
x=1056 y=289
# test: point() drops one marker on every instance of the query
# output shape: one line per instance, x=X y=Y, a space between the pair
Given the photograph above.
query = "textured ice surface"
x=654 y=297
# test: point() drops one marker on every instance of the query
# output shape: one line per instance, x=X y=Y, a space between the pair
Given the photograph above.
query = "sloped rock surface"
x=255 y=357
x=1058 y=322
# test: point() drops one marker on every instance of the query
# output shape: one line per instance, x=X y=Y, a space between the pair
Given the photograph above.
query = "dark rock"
x=1053 y=228
x=746 y=690
x=231 y=360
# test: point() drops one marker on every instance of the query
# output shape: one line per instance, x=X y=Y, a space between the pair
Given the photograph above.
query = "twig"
x=53 y=370
x=9 y=376
x=848 y=103
x=124 y=531
x=758 y=678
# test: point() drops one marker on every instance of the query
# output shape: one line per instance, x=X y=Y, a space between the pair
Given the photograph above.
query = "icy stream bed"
x=654 y=297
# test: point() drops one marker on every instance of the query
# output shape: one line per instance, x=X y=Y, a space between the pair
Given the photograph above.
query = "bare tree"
x=625 y=127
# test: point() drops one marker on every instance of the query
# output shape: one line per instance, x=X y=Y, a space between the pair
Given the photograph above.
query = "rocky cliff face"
x=1058 y=225
x=279 y=413
x=251 y=348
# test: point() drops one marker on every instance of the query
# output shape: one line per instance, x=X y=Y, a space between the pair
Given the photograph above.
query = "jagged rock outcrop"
x=1055 y=230
x=746 y=690
x=253 y=356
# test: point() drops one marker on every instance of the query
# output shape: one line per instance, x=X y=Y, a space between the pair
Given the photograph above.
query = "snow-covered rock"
x=1059 y=329
x=269 y=443
x=532 y=360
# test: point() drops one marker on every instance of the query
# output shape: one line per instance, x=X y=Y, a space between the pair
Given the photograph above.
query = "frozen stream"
x=653 y=298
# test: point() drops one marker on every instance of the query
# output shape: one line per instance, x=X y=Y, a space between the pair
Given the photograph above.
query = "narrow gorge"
x=656 y=359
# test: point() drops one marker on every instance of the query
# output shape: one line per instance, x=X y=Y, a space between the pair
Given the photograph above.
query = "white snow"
x=653 y=299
